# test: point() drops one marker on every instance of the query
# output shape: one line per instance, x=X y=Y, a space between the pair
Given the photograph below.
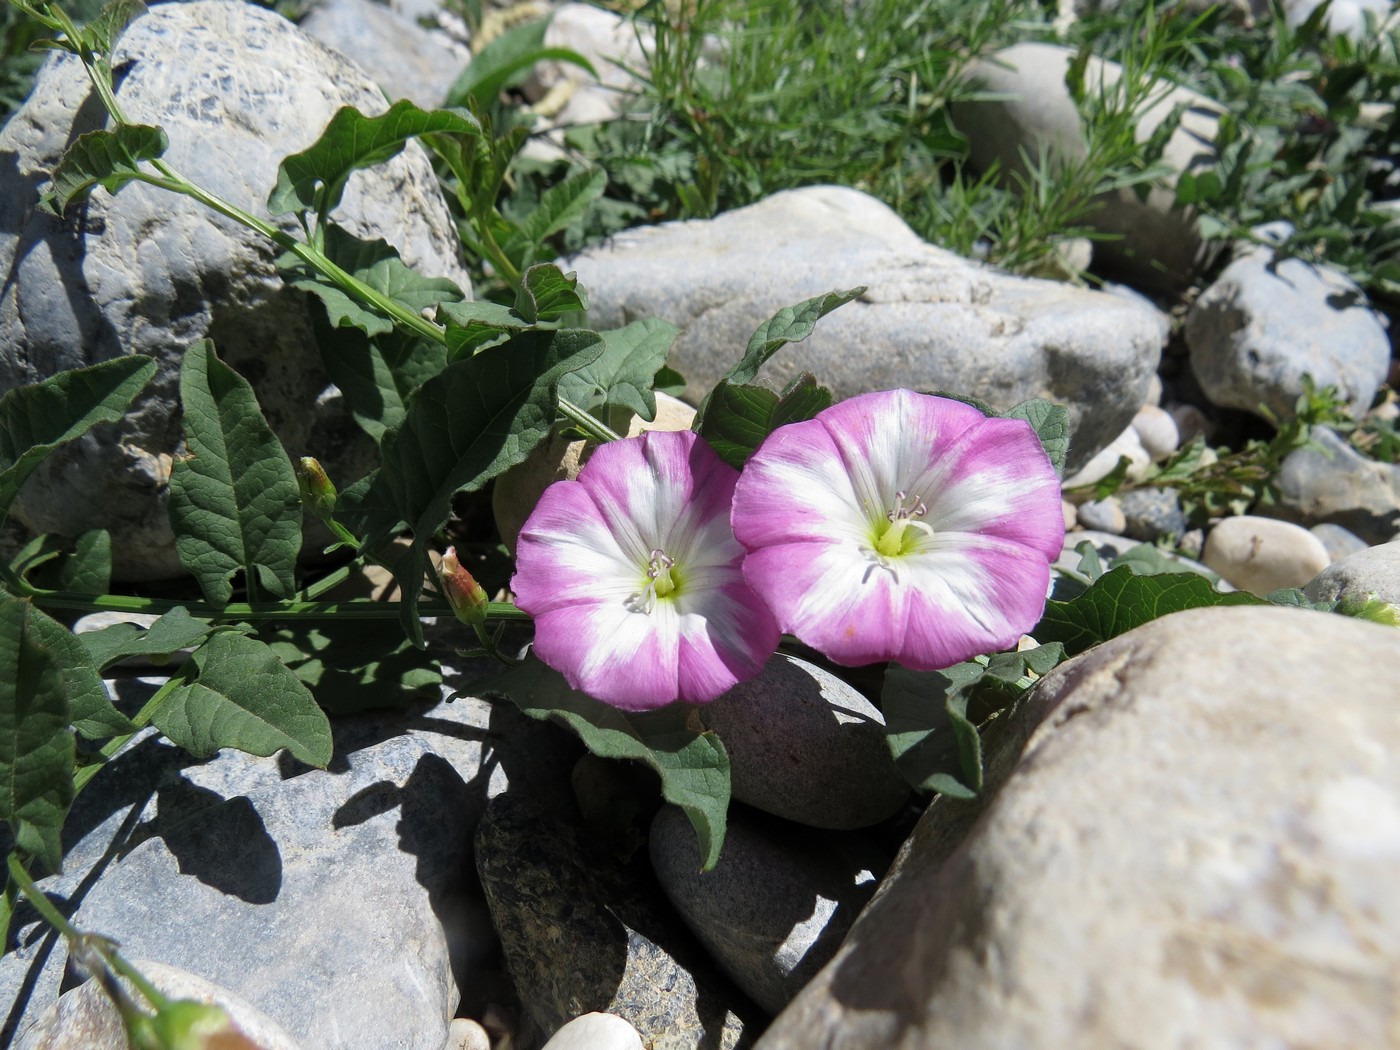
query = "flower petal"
x=582 y=562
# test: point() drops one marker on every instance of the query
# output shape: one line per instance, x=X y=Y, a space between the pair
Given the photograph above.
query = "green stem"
x=353 y=609
x=588 y=423
x=141 y=720
x=20 y=877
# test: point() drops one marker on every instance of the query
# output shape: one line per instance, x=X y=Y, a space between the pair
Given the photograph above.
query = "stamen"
x=903 y=516
x=660 y=583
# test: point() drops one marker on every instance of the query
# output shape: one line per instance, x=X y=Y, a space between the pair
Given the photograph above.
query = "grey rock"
x=1109 y=547
x=1370 y=573
x=1103 y=515
x=806 y=746
x=776 y=907
x=930 y=320
x=1337 y=484
x=1153 y=243
x=86 y=1017
x=153 y=800
x=1339 y=542
x=1234 y=888
x=1266 y=323
x=237 y=88
x=404 y=59
x=1152 y=513
x=270 y=894
x=581 y=932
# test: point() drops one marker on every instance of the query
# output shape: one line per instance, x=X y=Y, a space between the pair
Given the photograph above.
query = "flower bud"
x=317 y=492
x=188 y=1025
x=463 y=593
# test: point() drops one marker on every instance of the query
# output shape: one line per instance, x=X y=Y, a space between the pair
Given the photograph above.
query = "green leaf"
x=470 y=326
x=54 y=563
x=1050 y=423
x=923 y=733
x=109 y=159
x=234 y=502
x=929 y=728
x=174 y=631
x=244 y=698
x=36 y=419
x=314 y=179
x=547 y=293
x=352 y=666
x=36 y=745
x=378 y=374
x=622 y=376
x=378 y=265
x=90 y=709
x=103 y=32
x=792 y=324
x=1120 y=600
x=560 y=205
x=691 y=761
x=513 y=52
x=738 y=417
x=478 y=418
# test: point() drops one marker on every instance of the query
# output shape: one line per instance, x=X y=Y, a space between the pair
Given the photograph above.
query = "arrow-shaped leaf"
x=174 y=631
x=791 y=324
x=692 y=762
x=234 y=502
x=314 y=179
x=378 y=265
x=547 y=293
x=36 y=419
x=622 y=377
x=107 y=158
x=739 y=416
x=244 y=698
x=36 y=745
x=478 y=418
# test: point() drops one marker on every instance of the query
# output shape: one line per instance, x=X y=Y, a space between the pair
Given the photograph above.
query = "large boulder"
x=237 y=88
x=1197 y=847
x=930 y=320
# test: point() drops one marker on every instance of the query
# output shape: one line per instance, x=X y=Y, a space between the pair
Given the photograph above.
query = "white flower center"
x=661 y=581
x=902 y=532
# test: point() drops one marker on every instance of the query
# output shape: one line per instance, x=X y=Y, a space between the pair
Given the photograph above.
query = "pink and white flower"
x=901 y=526
x=632 y=574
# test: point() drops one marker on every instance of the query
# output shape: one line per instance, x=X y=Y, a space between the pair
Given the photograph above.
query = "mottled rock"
x=1370 y=573
x=1153 y=243
x=806 y=746
x=466 y=1034
x=1152 y=513
x=86 y=1019
x=595 y=1032
x=1266 y=323
x=271 y=864
x=1234 y=888
x=776 y=907
x=929 y=320
x=1335 y=483
x=1103 y=515
x=404 y=59
x=1262 y=554
x=581 y=933
x=144 y=271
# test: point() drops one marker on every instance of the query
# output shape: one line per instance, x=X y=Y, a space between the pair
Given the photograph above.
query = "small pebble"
x=1339 y=541
x=1125 y=444
x=1157 y=431
x=1370 y=573
x=1103 y=515
x=1262 y=555
x=595 y=1032
x=1070 y=513
x=1190 y=421
x=1152 y=513
x=466 y=1034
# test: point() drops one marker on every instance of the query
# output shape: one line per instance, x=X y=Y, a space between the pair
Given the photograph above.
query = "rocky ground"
x=1190 y=834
